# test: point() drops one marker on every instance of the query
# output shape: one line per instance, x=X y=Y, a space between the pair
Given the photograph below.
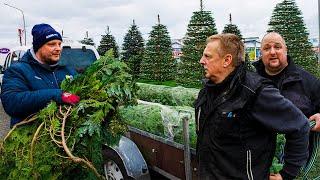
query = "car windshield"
x=77 y=58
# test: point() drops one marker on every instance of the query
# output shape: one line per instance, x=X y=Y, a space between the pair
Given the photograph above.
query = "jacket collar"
x=290 y=72
x=235 y=75
x=229 y=84
x=291 y=68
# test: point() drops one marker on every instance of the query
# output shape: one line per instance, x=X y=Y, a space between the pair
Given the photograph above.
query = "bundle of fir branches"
x=63 y=141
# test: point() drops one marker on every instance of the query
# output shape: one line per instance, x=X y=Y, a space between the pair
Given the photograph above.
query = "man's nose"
x=58 y=47
x=272 y=51
x=201 y=61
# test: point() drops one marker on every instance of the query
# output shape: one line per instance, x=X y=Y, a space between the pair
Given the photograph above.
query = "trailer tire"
x=113 y=165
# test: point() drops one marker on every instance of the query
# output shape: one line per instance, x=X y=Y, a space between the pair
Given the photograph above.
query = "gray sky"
x=77 y=17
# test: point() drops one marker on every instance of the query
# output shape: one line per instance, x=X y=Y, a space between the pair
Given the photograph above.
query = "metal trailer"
x=141 y=150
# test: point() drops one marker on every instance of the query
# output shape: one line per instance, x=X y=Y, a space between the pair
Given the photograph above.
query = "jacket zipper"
x=249 y=169
x=54 y=76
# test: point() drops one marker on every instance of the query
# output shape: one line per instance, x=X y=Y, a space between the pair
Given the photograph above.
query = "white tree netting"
x=172 y=96
x=161 y=120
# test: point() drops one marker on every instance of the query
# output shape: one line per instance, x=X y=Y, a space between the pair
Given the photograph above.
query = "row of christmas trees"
x=155 y=61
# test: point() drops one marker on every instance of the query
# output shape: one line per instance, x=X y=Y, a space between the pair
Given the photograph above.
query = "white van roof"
x=67 y=42
x=25 y=48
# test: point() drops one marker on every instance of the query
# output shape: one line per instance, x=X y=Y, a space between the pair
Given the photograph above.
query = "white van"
x=74 y=54
x=14 y=55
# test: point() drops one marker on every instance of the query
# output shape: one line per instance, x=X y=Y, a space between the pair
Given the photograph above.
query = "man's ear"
x=227 y=60
x=286 y=50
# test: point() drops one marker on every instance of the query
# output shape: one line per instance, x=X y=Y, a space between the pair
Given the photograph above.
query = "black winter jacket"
x=298 y=85
x=237 y=129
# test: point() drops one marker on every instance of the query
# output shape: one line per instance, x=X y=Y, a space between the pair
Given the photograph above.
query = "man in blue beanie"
x=31 y=83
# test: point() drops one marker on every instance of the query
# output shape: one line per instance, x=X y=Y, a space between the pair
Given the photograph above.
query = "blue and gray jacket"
x=28 y=86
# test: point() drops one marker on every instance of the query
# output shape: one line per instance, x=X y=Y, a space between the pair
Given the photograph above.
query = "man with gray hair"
x=238 y=115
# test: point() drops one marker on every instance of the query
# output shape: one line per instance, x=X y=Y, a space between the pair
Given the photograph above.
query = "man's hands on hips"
x=316 y=118
x=69 y=98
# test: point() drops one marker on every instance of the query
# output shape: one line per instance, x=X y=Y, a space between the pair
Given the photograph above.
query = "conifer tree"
x=232 y=28
x=200 y=27
x=108 y=42
x=287 y=20
x=158 y=63
x=87 y=40
x=133 y=49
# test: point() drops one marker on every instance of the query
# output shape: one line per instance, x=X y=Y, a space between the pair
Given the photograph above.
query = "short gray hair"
x=229 y=44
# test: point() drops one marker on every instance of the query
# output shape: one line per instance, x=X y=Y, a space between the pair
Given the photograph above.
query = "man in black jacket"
x=238 y=114
x=294 y=83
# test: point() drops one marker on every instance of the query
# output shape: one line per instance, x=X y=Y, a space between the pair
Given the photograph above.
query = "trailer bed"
x=163 y=155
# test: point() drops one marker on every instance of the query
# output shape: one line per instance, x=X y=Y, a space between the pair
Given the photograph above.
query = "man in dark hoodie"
x=31 y=83
x=238 y=115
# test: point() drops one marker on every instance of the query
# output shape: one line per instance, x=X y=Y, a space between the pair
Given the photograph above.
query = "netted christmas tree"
x=87 y=40
x=108 y=42
x=158 y=63
x=133 y=49
x=232 y=28
x=287 y=20
x=200 y=27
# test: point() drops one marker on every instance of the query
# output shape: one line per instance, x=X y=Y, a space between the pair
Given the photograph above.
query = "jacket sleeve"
x=315 y=93
x=279 y=115
x=17 y=98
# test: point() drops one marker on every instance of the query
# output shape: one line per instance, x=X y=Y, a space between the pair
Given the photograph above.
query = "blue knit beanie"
x=43 y=33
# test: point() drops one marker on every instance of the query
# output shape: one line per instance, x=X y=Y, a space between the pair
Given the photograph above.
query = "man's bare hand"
x=316 y=118
x=275 y=177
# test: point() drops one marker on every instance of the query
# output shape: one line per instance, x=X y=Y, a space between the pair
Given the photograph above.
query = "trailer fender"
x=134 y=163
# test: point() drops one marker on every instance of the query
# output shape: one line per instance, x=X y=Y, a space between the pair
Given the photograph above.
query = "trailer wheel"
x=113 y=166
